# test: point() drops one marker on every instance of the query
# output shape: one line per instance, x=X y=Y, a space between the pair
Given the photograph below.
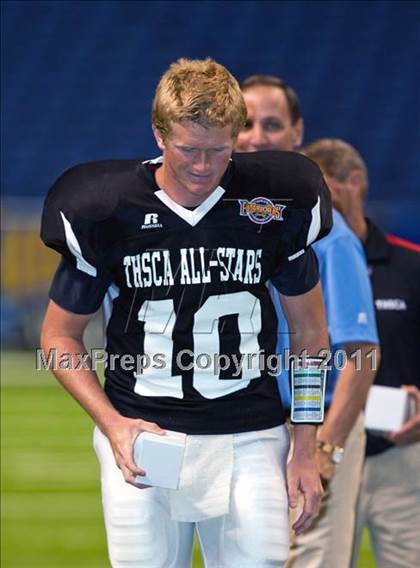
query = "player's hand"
x=122 y=434
x=409 y=433
x=303 y=477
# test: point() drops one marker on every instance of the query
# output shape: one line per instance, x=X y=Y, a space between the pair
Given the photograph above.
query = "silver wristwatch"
x=335 y=453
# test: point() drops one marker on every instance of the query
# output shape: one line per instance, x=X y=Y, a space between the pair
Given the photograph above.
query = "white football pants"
x=254 y=534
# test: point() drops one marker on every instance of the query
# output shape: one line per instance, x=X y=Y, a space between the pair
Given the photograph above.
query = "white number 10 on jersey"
x=159 y=320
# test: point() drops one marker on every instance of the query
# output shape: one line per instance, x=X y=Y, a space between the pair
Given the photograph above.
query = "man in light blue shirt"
x=275 y=123
x=351 y=319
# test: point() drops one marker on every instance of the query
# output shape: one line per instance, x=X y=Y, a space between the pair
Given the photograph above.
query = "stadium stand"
x=78 y=79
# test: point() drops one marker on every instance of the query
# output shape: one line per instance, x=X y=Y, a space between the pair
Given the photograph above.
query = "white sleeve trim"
x=74 y=247
x=315 y=225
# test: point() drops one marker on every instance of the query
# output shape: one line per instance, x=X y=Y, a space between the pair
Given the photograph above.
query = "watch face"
x=337 y=455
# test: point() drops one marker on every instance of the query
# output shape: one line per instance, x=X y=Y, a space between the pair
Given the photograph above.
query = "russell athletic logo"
x=261 y=210
x=151 y=221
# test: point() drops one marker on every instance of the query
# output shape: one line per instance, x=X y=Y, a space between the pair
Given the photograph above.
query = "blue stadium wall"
x=78 y=80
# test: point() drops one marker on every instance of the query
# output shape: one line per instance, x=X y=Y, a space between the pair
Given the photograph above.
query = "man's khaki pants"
x=389 y=505
x=328 y=542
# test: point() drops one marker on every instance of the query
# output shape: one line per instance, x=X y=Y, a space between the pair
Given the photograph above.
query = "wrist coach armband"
x=308 y=381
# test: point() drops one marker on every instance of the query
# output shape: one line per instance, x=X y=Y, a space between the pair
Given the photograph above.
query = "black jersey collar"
x=376 y=246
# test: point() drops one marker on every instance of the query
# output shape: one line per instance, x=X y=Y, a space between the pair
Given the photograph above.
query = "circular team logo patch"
x=261 y=210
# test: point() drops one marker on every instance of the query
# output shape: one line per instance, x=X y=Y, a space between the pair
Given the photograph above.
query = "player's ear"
x=298 y=131
x=159 y=139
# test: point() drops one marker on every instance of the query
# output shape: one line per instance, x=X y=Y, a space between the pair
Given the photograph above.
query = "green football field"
x=51 y=509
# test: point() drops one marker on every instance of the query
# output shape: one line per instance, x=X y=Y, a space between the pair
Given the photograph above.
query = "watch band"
x=326 y=447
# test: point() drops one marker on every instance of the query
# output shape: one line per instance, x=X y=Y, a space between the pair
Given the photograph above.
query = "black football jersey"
x=189 y=319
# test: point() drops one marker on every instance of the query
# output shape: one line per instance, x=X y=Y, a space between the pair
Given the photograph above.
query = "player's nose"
x=202 y=163
x=258 y=137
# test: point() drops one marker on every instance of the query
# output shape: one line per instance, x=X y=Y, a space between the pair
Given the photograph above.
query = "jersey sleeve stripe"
x=74 y=247
x=315 y=225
